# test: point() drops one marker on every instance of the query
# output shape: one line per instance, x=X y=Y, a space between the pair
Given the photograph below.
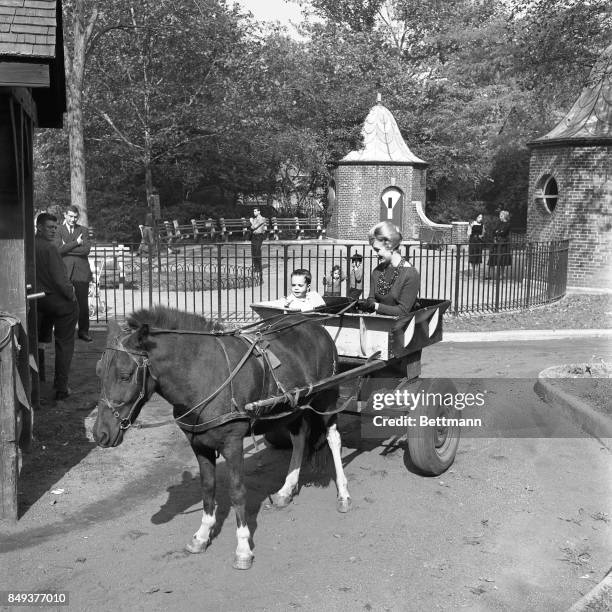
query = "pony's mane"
x=171 y=318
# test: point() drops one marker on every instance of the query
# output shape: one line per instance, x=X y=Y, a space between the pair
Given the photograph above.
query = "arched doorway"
x=391 y=205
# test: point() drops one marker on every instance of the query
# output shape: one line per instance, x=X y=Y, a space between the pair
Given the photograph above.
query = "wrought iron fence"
x=218 y=279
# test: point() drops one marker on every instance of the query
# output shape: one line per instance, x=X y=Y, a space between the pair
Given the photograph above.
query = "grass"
x=570 y=312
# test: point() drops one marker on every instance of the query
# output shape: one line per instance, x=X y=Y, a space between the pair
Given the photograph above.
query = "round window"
x=547 y=193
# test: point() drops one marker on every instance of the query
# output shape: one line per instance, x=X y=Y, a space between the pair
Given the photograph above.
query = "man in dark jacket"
x=73 y=244
x=59 y=307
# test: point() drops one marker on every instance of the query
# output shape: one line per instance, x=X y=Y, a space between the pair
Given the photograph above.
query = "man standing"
x=258 y=228
x=58 y=308
x=74 y=247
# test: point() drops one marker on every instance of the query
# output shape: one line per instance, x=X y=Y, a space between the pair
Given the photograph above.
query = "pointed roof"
x=590 y=119
x=382 y=141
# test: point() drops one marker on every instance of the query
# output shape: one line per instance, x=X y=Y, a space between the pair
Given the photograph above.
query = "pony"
x=208 y=374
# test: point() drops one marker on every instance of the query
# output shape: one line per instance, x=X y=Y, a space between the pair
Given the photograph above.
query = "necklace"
x=383 y=286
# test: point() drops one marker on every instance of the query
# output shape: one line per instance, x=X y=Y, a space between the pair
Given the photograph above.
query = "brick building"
x=570 y=181
x=383 y=180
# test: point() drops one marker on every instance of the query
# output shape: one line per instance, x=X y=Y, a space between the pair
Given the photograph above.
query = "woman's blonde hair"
x=387 y=233
x=504 y=215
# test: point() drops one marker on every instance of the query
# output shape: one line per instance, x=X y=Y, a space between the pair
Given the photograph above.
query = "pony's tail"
x=318 y=452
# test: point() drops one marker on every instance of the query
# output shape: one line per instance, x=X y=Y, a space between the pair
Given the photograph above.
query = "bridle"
x=143 y=369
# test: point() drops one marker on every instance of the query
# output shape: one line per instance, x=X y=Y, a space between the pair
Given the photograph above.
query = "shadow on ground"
x=60 y=440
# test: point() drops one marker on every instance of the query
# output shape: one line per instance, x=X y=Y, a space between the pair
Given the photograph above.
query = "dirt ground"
x=516 y=524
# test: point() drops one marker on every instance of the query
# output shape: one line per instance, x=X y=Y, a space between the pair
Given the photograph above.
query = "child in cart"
x=302 y=298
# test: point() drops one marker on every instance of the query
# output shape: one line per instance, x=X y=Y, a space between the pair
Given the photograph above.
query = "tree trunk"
x=74 y=121
x=75 y=74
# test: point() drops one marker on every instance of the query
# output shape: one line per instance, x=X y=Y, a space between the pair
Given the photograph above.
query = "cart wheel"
x=433 y=449
x=278 y=438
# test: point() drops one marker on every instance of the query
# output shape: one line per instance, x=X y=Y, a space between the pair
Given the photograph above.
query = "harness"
x=257 y=345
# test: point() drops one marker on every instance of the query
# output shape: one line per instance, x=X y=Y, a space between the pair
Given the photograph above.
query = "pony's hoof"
x=243 y=563
x=343 y=505
x=196 y=546
x=280 y=501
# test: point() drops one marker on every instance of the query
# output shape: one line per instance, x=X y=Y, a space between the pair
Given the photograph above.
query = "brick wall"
x=358 y=193
x=583 y=212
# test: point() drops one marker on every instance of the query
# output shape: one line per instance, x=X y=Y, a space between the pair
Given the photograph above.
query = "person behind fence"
x=333 y=284
x=356 y=277
x=394 y=283
x=500 y=256
x=73 y=243
x=302 y=297
x=258 y=228
x=477 y=232
x=58 y=309
x=147 y=231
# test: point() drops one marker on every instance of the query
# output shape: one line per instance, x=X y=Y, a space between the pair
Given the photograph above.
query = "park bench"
x=312 y=226
x=204 y=229
x=295 y=228
x=234 y=227
x=165 y=231
x=183 y=231
x=166 y=234
x=106 y=263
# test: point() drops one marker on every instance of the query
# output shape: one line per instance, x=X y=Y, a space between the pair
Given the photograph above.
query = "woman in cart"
x=394 y=284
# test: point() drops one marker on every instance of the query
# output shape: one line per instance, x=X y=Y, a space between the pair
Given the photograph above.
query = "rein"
x=228 y=381
x=268 y=330
x=144 y=366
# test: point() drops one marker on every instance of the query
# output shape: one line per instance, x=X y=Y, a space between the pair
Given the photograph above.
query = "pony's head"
x=127 y=383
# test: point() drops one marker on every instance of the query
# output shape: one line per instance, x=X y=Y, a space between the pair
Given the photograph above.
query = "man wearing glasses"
x=73 y=244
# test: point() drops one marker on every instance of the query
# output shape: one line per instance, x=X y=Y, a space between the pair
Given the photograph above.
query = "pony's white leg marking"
x=283 y=496
x=201 y=537
x=244 y=555
x=333 y=439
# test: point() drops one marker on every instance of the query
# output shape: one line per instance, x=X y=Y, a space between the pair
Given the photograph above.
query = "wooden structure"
x=375 y=351
x=32 y=94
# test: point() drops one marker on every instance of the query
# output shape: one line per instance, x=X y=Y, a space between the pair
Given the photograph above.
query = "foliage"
x=197 y=100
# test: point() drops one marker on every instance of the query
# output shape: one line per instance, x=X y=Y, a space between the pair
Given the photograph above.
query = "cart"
x=373 y=351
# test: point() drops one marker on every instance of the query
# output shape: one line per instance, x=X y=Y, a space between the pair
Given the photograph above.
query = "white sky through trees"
x=273 y=10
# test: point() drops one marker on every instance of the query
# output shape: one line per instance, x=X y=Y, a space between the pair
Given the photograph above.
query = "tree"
x=157 y=86
x=82 y=17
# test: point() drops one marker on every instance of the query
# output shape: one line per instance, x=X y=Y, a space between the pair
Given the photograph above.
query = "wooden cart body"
x=373 y=350
x=360 y=335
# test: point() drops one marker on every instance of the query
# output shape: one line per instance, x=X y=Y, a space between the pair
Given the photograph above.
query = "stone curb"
x=599 y=598
x=590 y=421
x=526 y=335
